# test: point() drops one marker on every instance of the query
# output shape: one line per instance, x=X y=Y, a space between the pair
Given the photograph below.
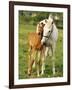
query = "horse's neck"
x=54 y=27
x=54 y=34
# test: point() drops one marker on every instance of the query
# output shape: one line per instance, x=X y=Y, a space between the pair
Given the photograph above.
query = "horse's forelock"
x=49 y=24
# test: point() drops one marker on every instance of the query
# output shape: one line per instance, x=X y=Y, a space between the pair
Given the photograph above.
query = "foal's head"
x=39 y=29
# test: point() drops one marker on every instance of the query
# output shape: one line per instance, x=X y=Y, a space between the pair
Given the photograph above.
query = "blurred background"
x=29 y=17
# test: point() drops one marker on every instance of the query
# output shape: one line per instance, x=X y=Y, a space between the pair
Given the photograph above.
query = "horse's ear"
x=45 y=20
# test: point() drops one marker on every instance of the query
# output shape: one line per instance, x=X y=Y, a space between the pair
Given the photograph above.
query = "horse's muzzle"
x=44 y=44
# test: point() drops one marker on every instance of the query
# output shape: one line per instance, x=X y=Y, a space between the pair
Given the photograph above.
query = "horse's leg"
x=46 y=54
x=50 y=52
x=38 y=63
x=43 y=65
x=43 y=57
x=46 y=51
x=53 y=57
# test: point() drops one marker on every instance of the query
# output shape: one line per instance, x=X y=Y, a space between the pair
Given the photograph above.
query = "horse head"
x=47 y=30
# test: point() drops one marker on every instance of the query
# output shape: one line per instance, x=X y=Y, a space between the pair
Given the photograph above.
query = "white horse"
x=49 y=39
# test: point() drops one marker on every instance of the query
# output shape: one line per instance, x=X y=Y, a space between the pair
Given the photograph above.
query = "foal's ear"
x=42 y=24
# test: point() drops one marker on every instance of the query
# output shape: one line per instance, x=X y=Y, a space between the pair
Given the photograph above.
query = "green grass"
x=23 y=54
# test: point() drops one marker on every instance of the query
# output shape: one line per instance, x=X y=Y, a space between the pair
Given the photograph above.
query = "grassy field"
x=23 y=54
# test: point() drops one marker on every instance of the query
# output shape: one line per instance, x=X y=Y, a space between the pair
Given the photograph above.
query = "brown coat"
x=35 y=41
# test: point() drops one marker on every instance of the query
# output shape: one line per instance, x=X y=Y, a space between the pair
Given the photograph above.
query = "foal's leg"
x=38 y=63
x=32 y=54
x=34 y=64
x=29 y=61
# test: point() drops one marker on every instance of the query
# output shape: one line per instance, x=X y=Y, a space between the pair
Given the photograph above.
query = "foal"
x=35 y=48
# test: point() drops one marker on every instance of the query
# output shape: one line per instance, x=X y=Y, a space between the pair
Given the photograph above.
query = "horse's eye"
x=49 y=31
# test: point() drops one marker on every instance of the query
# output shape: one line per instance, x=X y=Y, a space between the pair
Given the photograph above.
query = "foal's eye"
x=49 y=31
x=39 y=33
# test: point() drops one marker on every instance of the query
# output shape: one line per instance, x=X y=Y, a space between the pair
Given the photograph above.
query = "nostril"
x=29 y=74
x=44 y=43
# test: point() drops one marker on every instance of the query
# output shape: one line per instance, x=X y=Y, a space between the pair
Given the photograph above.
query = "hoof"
x=42 y=73
x=29 y=74
x=38 y=75
x=34 y=65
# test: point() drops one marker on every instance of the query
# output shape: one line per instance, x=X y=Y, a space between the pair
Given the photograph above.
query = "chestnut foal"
x=36 y=50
